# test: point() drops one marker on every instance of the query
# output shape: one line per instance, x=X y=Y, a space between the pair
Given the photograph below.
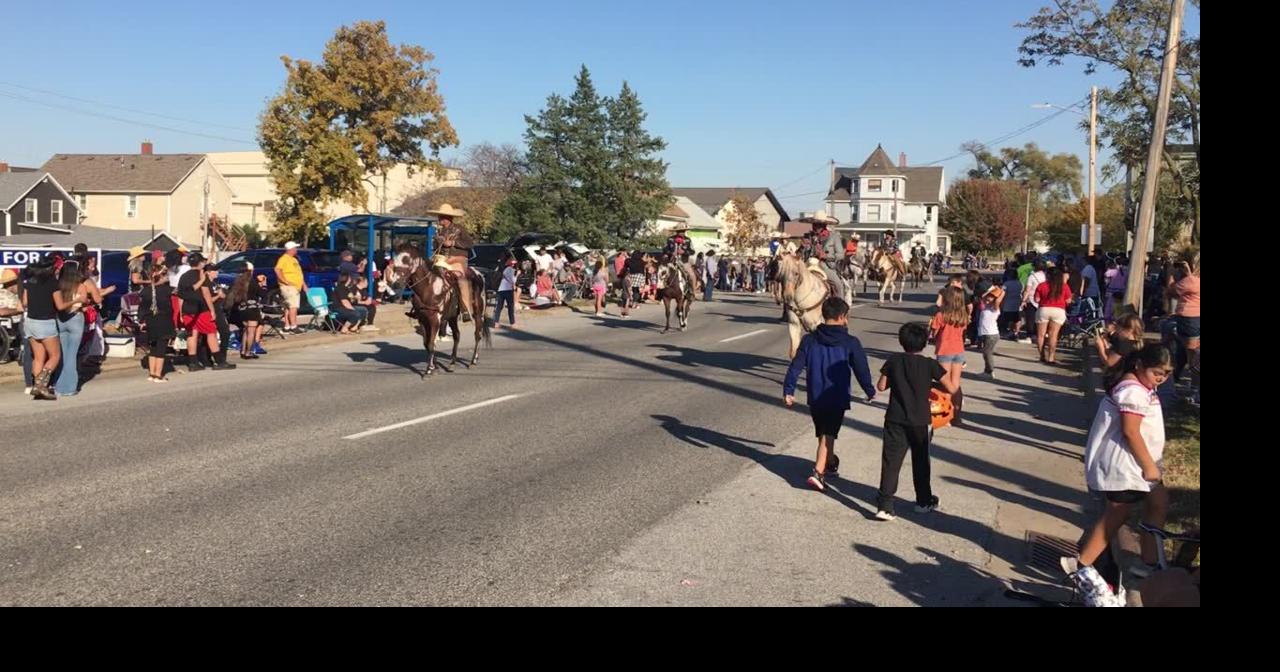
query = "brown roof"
x=712 y=199
x=924 y=183
x=155 y=173
x=878 y=163
x=673 y=211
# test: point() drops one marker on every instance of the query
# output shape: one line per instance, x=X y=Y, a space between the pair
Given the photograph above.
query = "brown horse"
x=437 y=302
x=674 y=287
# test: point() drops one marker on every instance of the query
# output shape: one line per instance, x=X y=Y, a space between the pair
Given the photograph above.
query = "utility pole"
x=1147 y=207
x=1093 y=167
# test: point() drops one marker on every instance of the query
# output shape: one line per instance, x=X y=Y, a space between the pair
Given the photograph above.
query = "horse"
x=920 y=269
x=437 y=302
x=850 y=269
x=802 y=293
x=890 y=271
x=676 y=289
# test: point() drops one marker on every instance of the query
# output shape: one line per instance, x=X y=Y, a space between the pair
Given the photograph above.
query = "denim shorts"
x=951 y=359
x=1187 y=327
x=40 y=329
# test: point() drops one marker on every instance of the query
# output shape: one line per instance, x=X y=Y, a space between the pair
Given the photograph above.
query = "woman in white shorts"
x=1053 y=295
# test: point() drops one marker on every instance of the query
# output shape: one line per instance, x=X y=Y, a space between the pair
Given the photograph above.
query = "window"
x=874 y=186
x=32 y=211
x=131 y=205
x=895 y=186
x=853 y=214
x=83 y=202
x=894 y=211
x=873 y=213
x=55 y=211
x=928 y=213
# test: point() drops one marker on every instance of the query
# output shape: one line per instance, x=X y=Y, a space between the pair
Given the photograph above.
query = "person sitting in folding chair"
x=346 y=304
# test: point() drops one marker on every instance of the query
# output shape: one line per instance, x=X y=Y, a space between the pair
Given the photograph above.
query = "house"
x=717 y=202
x=879 y=196
x=173 y=193
x=704 y=229
x=255 y=194
x=33 y=202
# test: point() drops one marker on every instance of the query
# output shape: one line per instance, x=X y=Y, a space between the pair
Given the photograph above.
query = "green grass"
x=1182 y=467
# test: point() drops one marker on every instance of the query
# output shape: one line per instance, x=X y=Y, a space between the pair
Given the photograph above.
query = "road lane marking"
x=434 y=416
x=746 y=335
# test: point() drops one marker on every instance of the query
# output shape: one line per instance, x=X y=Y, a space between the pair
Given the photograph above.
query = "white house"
x=879 y=196
x=704 y=230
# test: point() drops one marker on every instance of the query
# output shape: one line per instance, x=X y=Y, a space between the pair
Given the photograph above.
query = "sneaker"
x=885 y=515
x=833 y=467
x=27 y=391
x=258 y=349
x=817 y=482
x=222 y=366
x=194 y=367
x=1093 y=588
x=928 y=508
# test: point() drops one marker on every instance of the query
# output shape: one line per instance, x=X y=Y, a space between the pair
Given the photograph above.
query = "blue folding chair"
x=321 y=315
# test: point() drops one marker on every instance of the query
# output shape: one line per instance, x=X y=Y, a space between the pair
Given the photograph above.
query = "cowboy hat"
x=447 y=211
x=136 y=251
x=680 y=227
x=822 y=218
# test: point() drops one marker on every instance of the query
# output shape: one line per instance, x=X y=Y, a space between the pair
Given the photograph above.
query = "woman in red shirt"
x=948 y=327
x=1053 y=295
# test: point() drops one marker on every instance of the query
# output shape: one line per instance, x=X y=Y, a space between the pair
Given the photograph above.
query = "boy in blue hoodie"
x=827 y=355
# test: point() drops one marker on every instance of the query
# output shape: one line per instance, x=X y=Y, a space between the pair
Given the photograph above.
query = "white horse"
x=802 y=291
x=892 y=272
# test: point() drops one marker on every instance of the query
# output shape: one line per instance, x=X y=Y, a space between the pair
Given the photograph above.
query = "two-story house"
x=33 y=203
x=170 y=193
x=879 y=196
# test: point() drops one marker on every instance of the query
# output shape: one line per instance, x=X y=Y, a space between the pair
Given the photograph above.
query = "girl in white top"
x=1122 y=461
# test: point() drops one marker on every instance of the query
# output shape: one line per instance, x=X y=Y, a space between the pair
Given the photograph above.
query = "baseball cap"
x=291 y=245
x=248 y=266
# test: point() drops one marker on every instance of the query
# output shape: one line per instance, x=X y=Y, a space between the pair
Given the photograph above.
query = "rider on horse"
x=454 y=250
x=822 y=244
x=851 y=247
x=889 y=246
x=676 y=253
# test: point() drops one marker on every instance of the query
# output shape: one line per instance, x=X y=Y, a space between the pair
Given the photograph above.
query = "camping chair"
x=321 y=316
x=272 y=308
x=10 y=339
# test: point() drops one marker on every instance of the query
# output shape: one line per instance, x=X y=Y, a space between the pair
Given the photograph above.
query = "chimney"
x=147 y=148
x=4 y=167
x=902 y=159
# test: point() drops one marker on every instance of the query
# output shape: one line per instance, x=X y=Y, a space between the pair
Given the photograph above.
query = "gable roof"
x=712 y=199
x=132 y=173
x=13 y=186
x=93 y=236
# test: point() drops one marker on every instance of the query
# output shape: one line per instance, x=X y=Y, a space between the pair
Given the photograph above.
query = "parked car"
x=319 y=267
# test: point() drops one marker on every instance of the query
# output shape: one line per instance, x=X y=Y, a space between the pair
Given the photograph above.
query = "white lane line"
x=434 y=416
x=746 y=335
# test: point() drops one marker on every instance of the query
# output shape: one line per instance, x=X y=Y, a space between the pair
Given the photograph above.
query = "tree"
x=747 y=231
x=252 y=236
x=984 y=215
x=491 y=173
x=365 y=108
x=1053 y=178
x=639 y=176
x=593 y=174
x=1129 y=38
x=1062 y=230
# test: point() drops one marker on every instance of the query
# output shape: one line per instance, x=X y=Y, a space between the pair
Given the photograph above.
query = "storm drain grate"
x=1046 y=551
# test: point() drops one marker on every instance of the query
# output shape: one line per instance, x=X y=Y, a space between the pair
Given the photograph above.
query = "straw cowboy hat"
x=136 y=251
x=822 y=218
x=448 y=211
x=680 y=227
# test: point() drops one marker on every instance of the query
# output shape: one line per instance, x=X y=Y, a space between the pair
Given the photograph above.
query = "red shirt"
x=1046 y=301
x=950 y=337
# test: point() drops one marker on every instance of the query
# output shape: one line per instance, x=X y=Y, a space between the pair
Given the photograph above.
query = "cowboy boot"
x=465 y=298
x=40 y=389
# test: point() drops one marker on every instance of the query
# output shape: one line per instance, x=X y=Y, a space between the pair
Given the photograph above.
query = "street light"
x=1092 y=236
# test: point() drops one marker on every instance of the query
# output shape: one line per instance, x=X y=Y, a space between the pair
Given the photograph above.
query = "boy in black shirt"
x=909 y=376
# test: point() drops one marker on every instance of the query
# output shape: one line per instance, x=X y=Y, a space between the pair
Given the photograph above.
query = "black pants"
x=373 y=312
x=224 y=336
x=898 y=440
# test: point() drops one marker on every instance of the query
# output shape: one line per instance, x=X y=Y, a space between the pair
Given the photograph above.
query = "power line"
x=801 y=179
x=1016 y=132
x=122 y=120
x=123 y=108
x=807 y=193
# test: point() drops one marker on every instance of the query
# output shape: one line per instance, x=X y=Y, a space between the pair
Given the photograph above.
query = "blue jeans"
x=707 y=288
x=70 y=333
x=505 y=298
x=352 y=316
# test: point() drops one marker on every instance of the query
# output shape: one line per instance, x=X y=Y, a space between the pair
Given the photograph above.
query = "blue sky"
x=746 y=93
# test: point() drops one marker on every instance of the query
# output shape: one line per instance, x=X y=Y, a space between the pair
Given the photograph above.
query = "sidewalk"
x=766 y=539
